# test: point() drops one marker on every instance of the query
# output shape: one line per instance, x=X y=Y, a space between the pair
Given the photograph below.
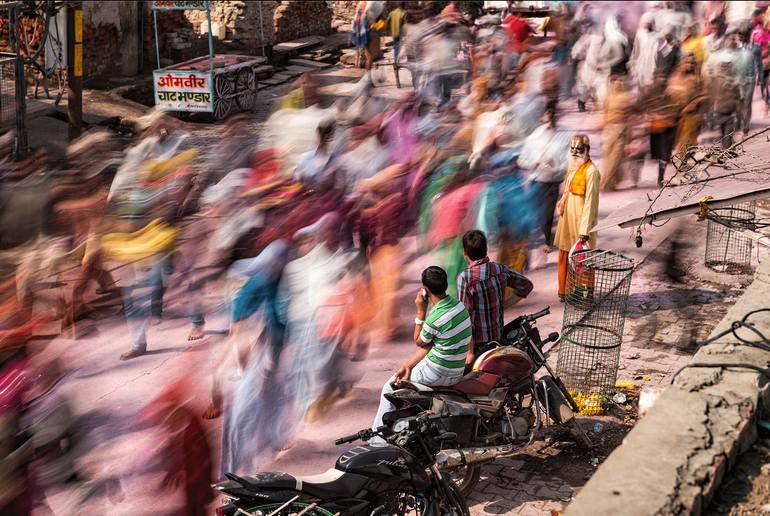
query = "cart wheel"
x=223 y=96
x=246 y=89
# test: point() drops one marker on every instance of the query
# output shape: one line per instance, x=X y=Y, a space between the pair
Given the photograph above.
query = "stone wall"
x=294 y=20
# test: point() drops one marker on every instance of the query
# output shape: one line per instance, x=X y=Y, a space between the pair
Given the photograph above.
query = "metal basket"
x=594 y=315
x=727 y=250
x=7 y=91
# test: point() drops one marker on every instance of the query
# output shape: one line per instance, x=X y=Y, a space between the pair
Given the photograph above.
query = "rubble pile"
x=244 y=23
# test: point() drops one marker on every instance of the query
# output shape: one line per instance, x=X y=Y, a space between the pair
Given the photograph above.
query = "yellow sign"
x=79 y=26
x=78 y=65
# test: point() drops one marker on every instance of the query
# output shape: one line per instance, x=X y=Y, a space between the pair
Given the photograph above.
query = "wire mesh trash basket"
x=728 y=250
x=596 y=301
x=7 y=90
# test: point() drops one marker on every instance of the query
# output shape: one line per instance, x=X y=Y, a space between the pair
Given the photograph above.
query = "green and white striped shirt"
x=448 y=327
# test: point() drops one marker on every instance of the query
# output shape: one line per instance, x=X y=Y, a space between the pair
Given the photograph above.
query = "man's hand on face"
x=403 y=373
x=421 y=303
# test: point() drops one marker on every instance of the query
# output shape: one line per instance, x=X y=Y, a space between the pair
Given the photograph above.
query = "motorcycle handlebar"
x=365 y=435
x=537 y=315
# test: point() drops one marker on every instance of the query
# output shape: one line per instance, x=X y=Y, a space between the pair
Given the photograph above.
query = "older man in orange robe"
x=578 y=207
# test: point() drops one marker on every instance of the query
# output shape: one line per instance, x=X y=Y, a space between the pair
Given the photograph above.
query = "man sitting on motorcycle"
x=481 y=288
x=443 y=338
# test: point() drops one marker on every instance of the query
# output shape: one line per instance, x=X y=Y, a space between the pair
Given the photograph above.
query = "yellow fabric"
x=155 y=170
x=697 y=48
x=581 y=212
x=395 y=22
x=577 y=185
x=615 y=138
x=295 y=99
x=156 y=237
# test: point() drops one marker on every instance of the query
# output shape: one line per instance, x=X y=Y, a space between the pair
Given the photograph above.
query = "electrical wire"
x=762 y=343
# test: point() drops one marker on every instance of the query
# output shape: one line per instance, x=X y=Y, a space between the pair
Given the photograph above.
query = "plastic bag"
x=578 y=254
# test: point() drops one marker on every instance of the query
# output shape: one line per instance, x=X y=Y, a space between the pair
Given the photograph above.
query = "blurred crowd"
x=301 y=229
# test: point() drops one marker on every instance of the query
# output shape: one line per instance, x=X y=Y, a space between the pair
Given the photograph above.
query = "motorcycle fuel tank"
x=509 y=363
x=383 y=460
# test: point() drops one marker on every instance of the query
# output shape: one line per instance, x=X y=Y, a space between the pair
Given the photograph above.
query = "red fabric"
x=384 y=221
x=450 y=209
x=14 y=382
x=266 y=166
x=518 y=31
x=188 y=458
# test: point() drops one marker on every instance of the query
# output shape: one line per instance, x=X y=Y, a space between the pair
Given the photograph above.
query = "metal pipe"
x=461 y=456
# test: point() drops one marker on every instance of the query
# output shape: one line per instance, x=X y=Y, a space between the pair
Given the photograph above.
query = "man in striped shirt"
x=443 y=338
x=481 y=288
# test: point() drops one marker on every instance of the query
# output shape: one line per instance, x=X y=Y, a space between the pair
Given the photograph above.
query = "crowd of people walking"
x=301 y=230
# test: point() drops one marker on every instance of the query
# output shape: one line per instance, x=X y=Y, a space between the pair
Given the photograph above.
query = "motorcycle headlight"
x=402 y=424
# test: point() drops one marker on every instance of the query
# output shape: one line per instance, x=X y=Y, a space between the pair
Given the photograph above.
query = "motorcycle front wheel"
x=465 y=477
x=452 y=504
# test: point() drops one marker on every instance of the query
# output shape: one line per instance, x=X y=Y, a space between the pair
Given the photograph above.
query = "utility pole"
x=75 y=68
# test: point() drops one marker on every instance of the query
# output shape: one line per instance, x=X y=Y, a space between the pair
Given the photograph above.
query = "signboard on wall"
x=168 y=5
x=177 y=90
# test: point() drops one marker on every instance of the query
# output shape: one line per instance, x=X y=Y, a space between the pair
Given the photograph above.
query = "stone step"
x=285 y=76
x=274 y=80
x=298 y=44
x=264 y=71
x=299 y=70
x=308 y=63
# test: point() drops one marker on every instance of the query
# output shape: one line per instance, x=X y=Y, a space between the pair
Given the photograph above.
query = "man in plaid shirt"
x=481 y=288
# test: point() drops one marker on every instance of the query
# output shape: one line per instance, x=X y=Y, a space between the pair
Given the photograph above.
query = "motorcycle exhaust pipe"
x=462 y=456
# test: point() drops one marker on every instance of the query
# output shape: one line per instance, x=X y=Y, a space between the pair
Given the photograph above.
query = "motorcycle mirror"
x=447 y=436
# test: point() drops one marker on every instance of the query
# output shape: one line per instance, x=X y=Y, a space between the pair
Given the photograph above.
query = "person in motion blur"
x=442 y=335
x=618 y=108
x=578 y=207
x=722 y=78
x=481 y=288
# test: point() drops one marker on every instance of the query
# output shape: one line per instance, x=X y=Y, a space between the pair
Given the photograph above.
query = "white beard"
x=576 y=161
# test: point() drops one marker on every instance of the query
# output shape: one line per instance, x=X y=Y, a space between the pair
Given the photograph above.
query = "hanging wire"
x=761 y=342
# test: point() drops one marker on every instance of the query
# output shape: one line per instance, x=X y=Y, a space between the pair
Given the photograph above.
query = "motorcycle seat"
x=329 y=484
x=332 y=483
x=476 y=383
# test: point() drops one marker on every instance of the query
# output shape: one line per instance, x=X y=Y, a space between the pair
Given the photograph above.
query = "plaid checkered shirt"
x=481 y=288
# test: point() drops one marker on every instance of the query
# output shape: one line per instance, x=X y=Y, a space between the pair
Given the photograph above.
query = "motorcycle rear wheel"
x=465 y=478
x=290 y=510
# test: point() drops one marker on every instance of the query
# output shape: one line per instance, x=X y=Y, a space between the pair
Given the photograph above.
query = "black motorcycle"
x=377 y=478
x=497 y=408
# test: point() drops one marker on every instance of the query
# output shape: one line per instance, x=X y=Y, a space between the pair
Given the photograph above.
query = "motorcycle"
x=377 y=478
x=496 y=408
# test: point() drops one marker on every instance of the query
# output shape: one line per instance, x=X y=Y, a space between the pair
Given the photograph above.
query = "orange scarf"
x=577 y=184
